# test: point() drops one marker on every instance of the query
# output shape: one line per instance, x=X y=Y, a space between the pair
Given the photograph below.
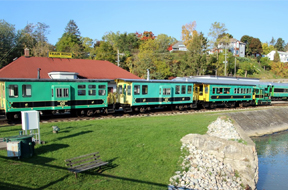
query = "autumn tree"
x=164 y=42
x=146 y=35
x=188 y=31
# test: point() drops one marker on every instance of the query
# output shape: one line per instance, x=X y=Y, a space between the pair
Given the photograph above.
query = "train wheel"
x=89 y=113
x=142 y=110
x=80 y=113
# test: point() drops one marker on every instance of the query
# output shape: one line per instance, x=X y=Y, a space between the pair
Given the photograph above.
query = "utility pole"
x=235 y=68
x=225 y=61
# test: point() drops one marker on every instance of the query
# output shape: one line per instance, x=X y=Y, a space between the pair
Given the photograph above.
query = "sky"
x=261 y=19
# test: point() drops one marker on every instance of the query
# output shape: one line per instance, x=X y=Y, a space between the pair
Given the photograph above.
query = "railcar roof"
x=54 y=80
x=154 y=81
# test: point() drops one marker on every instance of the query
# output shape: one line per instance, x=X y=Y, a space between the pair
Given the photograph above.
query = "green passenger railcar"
x=52 y=95
x=279 y=92
x=142 y=95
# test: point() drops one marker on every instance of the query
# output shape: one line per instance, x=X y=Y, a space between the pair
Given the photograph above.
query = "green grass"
x=142 y=152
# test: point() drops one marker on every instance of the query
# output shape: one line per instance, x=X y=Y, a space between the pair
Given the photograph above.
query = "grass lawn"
x=143 y=153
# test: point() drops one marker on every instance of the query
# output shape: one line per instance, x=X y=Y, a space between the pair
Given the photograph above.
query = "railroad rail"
x=155 y=112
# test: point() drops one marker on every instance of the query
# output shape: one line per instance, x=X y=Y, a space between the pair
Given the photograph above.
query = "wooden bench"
x=84 y=162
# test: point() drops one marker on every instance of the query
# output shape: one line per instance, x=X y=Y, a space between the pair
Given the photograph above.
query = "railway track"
x=119 y=114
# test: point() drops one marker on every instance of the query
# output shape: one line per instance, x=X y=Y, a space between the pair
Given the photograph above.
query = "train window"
x=81 y=92
x=166 y=91
x=136 y=89
x=129 y=90
x=285 y=90
x=183 y=89
x=226 y=90
x=206 y=90
x=120 y=89
x=52 y=93
x=189 y=91
x=219 y=90
x=13 y=91
x=144 y=89
x=81 y=86
x=26 y=90
x=235 y=91
x=102 y=90
x=58 y=92
x=65 y=92
x=159 y=91
x=92 y=90
x=177 y=89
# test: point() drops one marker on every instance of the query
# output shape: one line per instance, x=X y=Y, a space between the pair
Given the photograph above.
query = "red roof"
x=27 y=67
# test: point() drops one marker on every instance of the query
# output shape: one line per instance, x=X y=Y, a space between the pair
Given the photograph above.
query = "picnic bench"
x=84 y=162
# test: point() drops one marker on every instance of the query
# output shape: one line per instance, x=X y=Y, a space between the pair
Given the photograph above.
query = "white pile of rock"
x=223 y=129
x=201 y=170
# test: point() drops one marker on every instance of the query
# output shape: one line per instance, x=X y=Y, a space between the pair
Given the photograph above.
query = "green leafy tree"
x=267 y=49
x=276 y=57
x=272 y=42
x=280 y=44
x=247 y=40
x=71 y=41
x=8 y=43
x=148 y=58
x=105 y=52
x=255 y=46
x=265 y=63
x=164 y=41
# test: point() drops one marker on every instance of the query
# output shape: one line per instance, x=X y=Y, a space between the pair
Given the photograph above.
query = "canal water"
x=272 y=153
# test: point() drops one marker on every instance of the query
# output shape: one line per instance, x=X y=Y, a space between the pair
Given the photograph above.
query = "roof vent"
x=26 y=52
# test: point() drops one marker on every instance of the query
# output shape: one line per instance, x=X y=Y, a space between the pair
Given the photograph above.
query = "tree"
x=8 y=42
x=265 y=63
x=272 y=42
x=147 y=35
x=105 y=52
x=71 y=41
x=188 y=31
x=247 y=40
x=280 y=44
x=217 y=29
x=267 y=49
x=164 y=42
x=276 y=57
x=255 y=46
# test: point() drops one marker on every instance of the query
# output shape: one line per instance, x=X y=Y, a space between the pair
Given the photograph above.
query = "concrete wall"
x=262 y=122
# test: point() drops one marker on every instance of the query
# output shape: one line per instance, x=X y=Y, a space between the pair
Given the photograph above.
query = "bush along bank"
x=216 y=160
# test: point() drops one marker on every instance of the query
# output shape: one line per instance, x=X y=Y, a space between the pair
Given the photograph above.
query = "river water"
x=272 y=153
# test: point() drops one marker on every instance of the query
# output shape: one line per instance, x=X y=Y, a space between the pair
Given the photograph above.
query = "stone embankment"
x=224 y=158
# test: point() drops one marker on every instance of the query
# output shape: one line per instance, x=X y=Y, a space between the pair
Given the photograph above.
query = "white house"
x=236 y=47
x=283 y=56
x=179 y=46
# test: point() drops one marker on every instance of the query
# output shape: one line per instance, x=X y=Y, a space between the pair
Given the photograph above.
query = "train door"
x=165 y=94
x=2 y=95
x=61 y=95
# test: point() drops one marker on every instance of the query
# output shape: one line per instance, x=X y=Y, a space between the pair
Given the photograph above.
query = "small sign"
x=60 y=54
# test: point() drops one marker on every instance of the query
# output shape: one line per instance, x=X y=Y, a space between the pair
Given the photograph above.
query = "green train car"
x=142 y=95
x=211 y=95
x=279 y=91
x=50 y=96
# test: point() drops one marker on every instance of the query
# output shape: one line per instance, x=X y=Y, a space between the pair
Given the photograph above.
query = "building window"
x=13 y=91
x=102 y=90
x=136 y=89
x=26 y=90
